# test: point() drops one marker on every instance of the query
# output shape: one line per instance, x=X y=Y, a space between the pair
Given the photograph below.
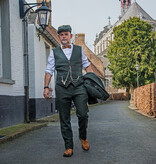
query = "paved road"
x=117 y=135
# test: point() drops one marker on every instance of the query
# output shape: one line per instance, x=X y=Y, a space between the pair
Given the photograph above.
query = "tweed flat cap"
x=64 y=28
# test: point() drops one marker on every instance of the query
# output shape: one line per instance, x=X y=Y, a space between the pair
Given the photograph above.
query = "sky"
x=90 y=16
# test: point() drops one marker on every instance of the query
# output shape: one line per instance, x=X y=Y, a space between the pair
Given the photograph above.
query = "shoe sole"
x=67 y=155
x=85 y=149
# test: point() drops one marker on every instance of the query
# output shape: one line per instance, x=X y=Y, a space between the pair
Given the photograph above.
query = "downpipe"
x=26 y=71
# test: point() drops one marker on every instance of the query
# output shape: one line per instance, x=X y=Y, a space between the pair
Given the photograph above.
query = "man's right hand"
x=46 y=93
x=47 y=90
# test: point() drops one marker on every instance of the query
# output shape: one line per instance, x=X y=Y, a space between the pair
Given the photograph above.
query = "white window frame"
x=107 y=82
x=0 y=47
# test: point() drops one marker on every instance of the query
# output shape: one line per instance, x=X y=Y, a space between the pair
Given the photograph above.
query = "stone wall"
x=145 y=98
x=119 y=96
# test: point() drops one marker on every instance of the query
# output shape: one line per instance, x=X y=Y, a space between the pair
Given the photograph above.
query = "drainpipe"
x=26 y=69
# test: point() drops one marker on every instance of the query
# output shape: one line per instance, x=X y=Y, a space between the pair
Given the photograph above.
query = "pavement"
x=12 y=132
x=117 y=135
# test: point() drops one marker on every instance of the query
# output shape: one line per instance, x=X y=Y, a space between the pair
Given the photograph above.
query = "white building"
x=101 y=42
x=12 y=70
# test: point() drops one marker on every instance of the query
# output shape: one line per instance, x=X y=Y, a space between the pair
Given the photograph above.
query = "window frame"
x=5 y=43
x=107 y=82
x=0 y=47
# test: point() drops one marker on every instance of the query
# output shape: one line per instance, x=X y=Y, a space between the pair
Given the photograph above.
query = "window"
x=5 y=57
x=0 y=47
x=100 y=47
x=103 y=45
x=106 y=82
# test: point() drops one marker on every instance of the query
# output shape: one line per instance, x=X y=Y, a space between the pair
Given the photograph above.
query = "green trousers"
x=64 y=98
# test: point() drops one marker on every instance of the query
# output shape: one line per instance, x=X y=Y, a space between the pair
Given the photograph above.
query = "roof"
x=50 y=33
x=53 y=32
x=135 y=11
x=105 y=30
x=97 y=64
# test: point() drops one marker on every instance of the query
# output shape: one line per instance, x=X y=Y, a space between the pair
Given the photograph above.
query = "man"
x=68 y=61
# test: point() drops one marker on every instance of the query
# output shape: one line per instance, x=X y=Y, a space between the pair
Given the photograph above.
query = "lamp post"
x=137 y=69
x=43 y=12
x=43 y=16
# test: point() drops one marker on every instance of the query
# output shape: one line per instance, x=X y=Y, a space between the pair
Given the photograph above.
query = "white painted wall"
x=38 y=61
x=16 y=42
x=31 y=52
x=37 y=58
x=0 y=47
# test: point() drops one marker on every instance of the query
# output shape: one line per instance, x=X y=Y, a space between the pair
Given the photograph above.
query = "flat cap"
x=64 y=28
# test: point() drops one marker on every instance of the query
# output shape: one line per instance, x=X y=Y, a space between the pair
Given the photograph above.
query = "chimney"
x=80 y=39
x=48 y=4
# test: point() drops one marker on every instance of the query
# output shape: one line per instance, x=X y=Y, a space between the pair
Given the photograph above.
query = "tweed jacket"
x=95 y=88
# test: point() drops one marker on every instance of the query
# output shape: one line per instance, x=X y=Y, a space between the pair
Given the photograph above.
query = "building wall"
x=119 y=96
x=38 y=55
x=12 y=94
x=38 y=61
x=11 y=110
x=101 y=50
x=103 y=43
x=96 y=63
x=16 y=43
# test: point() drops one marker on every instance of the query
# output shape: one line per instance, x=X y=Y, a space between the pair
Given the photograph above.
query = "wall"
x=16 y=43
x=119 y=96
x=96 y=63
x=37 y=61
x=12 y=95
x=39 y=107
x=145 y=98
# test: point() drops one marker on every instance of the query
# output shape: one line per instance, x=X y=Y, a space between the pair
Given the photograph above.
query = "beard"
x=65 y=42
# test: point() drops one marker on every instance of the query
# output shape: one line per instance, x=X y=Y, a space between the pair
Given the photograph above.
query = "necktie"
x=66 y=46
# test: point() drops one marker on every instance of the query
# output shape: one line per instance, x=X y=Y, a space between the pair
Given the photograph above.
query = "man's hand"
x=89 y=69
x=46 y=93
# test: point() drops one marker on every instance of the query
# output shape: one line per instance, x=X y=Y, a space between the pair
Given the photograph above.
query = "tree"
x=134 y=43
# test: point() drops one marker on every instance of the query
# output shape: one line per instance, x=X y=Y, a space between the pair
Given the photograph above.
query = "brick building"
x=96 y=63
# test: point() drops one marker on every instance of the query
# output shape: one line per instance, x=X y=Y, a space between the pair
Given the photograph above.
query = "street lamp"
x=43 y=12
x=43 y=16
x=137 y=69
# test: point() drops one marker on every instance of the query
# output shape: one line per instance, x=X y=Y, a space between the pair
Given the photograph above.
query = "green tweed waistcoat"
x=68 y=71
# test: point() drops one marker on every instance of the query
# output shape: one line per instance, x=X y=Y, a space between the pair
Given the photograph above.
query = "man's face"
x=65 y=37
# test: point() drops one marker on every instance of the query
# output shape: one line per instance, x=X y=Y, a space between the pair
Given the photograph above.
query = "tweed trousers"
x=64 y=98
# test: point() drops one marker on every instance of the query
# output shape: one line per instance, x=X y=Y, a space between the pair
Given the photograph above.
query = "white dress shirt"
x=67 y=51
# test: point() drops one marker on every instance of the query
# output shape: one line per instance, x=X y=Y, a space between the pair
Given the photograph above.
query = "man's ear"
x=58 y=36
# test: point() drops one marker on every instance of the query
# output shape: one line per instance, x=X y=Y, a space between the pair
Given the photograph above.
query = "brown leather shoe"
x=85 y=144
x=68 y=153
